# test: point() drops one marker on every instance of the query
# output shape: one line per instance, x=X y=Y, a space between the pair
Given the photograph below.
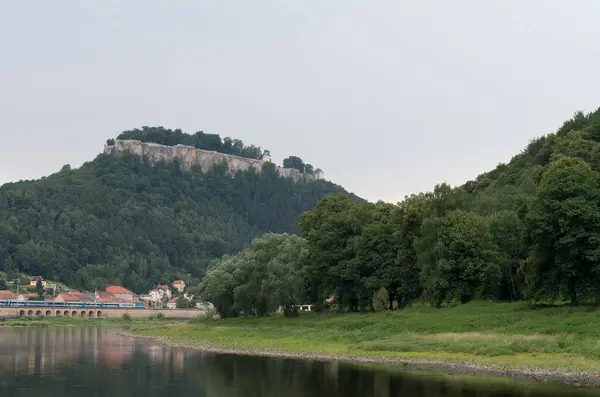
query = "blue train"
x=82 y=305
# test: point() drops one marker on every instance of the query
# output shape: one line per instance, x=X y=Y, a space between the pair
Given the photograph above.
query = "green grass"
x=503 y=334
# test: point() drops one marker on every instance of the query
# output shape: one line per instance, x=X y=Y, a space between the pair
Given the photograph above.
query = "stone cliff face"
x=189 y=156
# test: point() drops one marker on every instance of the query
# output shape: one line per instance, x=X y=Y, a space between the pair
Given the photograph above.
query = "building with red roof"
x=172 y=304
x=66 y=297
x=121 y=293
x=7 y=295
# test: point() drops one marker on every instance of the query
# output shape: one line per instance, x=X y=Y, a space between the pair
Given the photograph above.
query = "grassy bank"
x=507 y=337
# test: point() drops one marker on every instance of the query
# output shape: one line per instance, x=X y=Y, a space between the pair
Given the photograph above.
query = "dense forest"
x=529 y=229
x=120 y=220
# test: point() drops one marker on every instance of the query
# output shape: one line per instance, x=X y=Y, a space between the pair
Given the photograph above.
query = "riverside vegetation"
x=549 y=343
x=527 y=232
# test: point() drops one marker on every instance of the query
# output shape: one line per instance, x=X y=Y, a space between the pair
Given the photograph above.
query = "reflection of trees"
x=57 y=362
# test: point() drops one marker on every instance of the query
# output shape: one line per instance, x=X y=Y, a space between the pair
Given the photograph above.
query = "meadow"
x=507 y=335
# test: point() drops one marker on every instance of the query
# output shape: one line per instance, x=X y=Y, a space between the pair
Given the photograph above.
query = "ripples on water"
x=94 y=362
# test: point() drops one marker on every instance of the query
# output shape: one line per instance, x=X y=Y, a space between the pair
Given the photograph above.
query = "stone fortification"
x=189 y=156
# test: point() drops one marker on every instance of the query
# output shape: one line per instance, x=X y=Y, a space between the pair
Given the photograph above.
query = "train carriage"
x=82 y=305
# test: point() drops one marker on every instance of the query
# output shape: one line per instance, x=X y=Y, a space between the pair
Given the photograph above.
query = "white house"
x=159 y=296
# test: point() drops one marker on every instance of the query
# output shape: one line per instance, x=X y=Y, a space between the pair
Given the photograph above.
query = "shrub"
x=126 y=317
x=380 y=300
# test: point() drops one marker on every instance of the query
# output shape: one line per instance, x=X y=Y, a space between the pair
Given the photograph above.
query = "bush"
x=381 y=300
x=160 y=316
x=126 y=317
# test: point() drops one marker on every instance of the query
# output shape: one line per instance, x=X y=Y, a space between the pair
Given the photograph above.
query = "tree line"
x=529 y=229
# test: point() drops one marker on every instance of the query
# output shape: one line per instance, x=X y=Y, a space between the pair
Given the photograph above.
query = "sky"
x=388 y=97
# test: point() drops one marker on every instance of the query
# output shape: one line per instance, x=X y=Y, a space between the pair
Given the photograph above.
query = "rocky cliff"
x=189 y=156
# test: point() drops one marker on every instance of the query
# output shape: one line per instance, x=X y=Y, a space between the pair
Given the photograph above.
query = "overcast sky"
x=387 y=97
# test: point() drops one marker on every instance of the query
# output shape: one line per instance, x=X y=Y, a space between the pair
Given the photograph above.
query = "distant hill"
x=126 y=220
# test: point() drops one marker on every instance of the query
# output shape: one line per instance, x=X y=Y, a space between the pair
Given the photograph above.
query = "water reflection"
x=52 y=362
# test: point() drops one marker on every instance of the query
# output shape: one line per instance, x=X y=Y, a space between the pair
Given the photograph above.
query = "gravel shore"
x=538 y=374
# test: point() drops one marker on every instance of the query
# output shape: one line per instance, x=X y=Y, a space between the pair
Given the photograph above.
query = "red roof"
x=7 y=295
x=67 y=297
x=117 y=289
x=173 y=300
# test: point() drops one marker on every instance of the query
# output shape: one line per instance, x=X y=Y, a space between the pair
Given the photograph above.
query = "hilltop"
x=123 y=219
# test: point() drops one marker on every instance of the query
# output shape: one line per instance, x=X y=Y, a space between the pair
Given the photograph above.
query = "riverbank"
x=83 y=322
x=549 y=344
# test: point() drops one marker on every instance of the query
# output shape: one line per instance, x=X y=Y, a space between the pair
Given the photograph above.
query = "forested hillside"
x=119 y=220
x=529 y=229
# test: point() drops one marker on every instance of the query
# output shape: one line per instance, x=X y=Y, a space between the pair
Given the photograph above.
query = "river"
x=97 y=362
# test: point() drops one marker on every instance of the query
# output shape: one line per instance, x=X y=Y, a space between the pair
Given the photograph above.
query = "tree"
x=39 y=287
x=258 y=280
x=563 y=227
x=409 y=216
x=3 y=284
x=508 y=234
x=380 y=300
x=183 y=303
x=331 y=229
x=294 y=162
x=459 y=258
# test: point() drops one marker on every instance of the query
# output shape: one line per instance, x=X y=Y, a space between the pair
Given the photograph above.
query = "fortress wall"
x=189 y=156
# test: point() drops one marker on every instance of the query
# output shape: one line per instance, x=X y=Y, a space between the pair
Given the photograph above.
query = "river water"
x=96 y=362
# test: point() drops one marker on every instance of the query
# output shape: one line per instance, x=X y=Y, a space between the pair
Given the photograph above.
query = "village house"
x=66 y=297
x=160 y=295
x=172 y=304
x=8 y=295
x=34 y=280
x=179 y=285
x=105 y=297
x=46 y=284
x=26 y=296
x=123 y=294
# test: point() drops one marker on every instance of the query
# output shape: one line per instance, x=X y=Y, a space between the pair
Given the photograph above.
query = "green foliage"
x=126 y=317
x=529 y=228
x=380 y=300
x=462 y=261
x=258 y=280
x=182 y=303
x=296 y=163
x=564 y=230
x=198 y=140
x=36 y=298
x=119 y=220
x=3 y=285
